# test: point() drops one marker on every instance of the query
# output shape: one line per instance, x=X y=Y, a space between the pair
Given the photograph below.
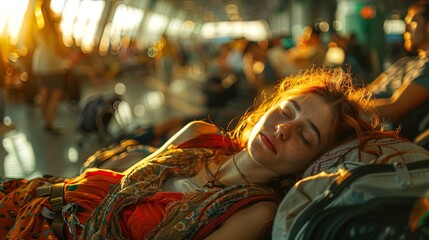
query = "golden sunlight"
x=11 y=17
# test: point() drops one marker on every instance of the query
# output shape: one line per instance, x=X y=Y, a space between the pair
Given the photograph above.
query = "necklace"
x=212 y=182
x=241 y=174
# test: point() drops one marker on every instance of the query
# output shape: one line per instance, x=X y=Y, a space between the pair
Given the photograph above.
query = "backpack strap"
x=56 y=198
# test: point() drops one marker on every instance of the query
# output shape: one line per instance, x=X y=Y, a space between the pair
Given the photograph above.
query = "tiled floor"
x=29 y=152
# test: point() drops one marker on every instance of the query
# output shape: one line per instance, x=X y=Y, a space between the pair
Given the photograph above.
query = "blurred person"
x=49 y=66
x=342 y=52
x=276 y=56
x=402 y=91
x=244 y=91
x=246 y=61
x=201 y=184
x=309 y=49
x=220 y=79
x=234 y=59
x=166 y=59
x=357 y=56
x=258 y=67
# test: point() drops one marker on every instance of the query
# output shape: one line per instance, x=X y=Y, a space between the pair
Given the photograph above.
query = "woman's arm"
x=406 y=99
x=190 y=131
x=376 y=82
x=248 y=223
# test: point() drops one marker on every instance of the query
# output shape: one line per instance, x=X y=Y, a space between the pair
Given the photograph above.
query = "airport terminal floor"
x=28 y=151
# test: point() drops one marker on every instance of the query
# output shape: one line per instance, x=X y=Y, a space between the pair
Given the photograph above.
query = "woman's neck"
x=241 y=168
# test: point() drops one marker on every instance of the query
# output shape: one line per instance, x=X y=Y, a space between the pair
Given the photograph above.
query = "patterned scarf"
x=185 y=217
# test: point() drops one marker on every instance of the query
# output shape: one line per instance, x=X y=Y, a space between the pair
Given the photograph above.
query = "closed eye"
x=289 y=109
x=286 y=111
x=304 y=139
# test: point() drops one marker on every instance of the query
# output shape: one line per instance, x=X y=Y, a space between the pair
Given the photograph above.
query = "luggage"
x=359 y=192
x=369 y=202
x=97 y=113
x=381 y=218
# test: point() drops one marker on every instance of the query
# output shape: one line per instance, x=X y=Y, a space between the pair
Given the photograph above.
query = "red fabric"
x=88 y=190
x=20 y=208
x=209 y=141
x=140 y=219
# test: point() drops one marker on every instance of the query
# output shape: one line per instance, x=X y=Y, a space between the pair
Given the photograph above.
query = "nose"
x=284 y=130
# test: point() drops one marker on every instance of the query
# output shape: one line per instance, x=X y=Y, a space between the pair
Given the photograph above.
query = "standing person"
x=402 y=91
x=49 y=67
x=202 y=184
x=166 y=60
x=220 y=79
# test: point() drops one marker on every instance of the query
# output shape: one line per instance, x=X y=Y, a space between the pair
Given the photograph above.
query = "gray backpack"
x=371 y=202
x=360 y=195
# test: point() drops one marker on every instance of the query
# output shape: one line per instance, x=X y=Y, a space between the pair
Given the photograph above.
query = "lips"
x=267 y=142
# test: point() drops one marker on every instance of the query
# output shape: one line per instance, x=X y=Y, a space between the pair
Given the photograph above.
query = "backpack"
x=97 y=113
x=365 y=195
x=369 y=202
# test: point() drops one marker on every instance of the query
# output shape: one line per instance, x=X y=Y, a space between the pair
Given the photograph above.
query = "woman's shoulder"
x=201 y=127
x=192 y=130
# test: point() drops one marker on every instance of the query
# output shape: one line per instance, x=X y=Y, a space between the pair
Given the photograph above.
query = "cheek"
x=260 y=124
x=297 y=158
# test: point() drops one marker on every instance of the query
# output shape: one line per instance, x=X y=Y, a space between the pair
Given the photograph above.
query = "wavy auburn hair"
x=353 y=114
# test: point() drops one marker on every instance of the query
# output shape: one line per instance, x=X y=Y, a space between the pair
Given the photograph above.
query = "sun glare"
x=11 y=18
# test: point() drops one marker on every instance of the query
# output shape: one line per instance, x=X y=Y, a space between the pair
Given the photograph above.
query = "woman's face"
x=289 y=137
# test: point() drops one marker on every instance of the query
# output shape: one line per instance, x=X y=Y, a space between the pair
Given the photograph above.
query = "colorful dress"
x=114 y=206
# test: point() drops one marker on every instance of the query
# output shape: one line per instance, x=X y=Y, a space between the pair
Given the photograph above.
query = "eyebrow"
x=310 y=123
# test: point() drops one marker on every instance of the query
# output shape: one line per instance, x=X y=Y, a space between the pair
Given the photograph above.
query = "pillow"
x=380 y=150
